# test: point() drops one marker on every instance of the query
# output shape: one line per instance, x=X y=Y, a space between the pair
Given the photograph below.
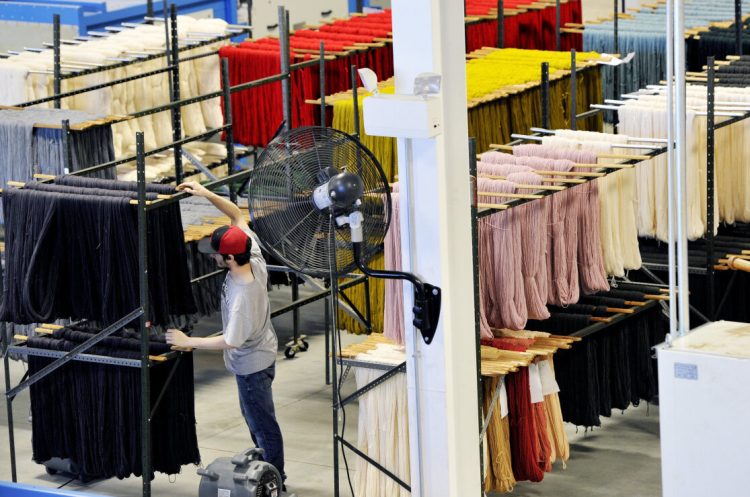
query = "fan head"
x=306 y=178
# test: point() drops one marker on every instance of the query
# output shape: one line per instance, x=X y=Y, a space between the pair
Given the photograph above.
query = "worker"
x=248 y=338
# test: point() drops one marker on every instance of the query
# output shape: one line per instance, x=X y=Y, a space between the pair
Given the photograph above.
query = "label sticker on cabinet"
x=224 y=492
x=685 y=371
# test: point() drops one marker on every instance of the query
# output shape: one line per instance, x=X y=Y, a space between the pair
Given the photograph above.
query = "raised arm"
x=225 y=206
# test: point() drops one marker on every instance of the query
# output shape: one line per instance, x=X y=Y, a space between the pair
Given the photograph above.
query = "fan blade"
x=291 y=230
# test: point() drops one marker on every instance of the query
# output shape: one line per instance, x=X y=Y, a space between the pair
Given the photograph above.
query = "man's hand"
x=194 y=188
x=177 y=338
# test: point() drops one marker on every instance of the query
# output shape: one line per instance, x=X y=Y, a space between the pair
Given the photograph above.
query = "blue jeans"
x=256 y=403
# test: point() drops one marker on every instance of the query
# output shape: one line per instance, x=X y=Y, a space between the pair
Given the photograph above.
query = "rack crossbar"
x=69 y=356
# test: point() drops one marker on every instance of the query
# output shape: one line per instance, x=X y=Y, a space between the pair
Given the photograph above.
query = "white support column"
x=435 y=196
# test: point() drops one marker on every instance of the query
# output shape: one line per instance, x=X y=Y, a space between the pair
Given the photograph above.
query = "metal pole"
x=738 y=26
x=545 y=95
x=558 y=42
x=681 y=155
x=500 y=24
x=615 y=70
x=67 y=147
x=357 y=127
x=360 y=5
x=475 y=265
x=406 y=187
x=327 y=320
x=295 y=312
x=334 y=351
x=710 y=188
x=150 y=8
x=9 y=409
x=167 y=40
x=175 y=96
x=229 y=123
x=355 y=99
x=671 y=214
x=57 y=74
x=286 y=83
x=322 y=70
x=573 y=91
x=368 y=311
x=145 y=324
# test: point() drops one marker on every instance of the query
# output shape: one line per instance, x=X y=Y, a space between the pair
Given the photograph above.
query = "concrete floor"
x=618 y=460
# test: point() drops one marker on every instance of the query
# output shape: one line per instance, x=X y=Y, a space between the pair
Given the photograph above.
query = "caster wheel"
x=289 y=353
x=304 y=346
x=50 y=471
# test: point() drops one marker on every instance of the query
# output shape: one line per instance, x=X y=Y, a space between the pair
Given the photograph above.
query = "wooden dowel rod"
x=619 y=310
x=570 y=173
x=495 y=146
x=567 y=173
x=600 y=320
x=624 y=157
x=554 y=188
x=572 y=339
x=493 y=206
x=576 y=181
x=738 y=264
x=524 y=196
x=635 y=303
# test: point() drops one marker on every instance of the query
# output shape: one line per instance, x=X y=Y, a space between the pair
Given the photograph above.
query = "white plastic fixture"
x=403 y=116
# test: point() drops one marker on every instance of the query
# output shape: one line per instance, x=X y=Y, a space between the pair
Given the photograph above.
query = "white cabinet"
x=265 y=18
x=301 y=12
x=703 y=406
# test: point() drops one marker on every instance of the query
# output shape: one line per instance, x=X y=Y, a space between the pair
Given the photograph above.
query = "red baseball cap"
x=227 y=240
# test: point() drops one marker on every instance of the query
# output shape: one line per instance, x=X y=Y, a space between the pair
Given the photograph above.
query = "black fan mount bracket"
x=427 y=298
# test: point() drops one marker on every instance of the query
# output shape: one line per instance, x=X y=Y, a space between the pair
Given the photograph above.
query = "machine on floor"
x=244 y=475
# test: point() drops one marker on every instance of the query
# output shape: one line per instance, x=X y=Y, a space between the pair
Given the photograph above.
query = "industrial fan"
x=320 y=202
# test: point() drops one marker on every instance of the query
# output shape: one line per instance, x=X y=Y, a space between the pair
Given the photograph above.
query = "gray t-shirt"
x=246 y=316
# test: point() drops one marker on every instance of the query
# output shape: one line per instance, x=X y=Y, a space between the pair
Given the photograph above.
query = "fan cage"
x=282 y=211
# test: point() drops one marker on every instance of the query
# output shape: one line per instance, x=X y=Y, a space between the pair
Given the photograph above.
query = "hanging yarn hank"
x=67 y=408
x=45 y=281
x=500 y=255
